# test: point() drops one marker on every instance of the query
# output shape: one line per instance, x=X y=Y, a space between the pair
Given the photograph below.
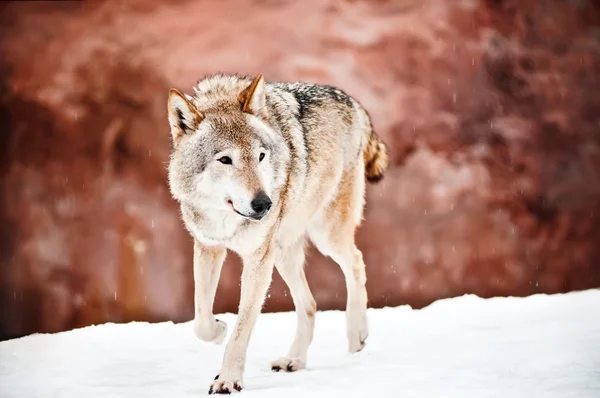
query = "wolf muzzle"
x=261 y=204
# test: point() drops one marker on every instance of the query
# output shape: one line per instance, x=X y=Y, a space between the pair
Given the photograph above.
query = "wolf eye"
x=261 y=157
x=225 y=160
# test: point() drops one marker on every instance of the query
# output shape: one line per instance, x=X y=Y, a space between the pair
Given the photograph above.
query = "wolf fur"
x=257 y=167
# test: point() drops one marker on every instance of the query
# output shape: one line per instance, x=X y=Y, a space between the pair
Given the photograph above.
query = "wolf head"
x=225 y=154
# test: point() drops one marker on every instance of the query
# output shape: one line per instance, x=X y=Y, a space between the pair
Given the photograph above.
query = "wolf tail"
x=375 y=156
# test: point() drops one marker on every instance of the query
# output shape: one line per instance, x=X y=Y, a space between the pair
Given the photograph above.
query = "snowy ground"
x=540 y=346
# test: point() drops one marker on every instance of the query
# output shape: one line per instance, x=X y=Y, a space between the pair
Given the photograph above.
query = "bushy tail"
x=375 y=156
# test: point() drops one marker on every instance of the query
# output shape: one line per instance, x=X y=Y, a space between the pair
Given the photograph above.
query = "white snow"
x=539 y=346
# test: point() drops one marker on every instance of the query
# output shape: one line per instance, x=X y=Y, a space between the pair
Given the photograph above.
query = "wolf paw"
x=357 y=340
x=287 y=365
x=214 y=332
x=224 y=386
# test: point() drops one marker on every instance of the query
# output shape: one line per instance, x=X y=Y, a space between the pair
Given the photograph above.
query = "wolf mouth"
x=230 y=203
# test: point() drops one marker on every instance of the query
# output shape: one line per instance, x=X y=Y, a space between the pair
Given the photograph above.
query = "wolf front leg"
x=290 y=264
x=208 y=261
x=256 y=278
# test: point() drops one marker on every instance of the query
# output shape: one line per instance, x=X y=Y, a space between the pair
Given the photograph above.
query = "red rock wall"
x=490 y=109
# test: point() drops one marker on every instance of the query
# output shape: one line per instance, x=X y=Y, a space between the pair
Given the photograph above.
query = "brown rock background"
x=491 y=110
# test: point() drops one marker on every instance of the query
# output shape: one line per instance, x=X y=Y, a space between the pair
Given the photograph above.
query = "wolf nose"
x=260 y=204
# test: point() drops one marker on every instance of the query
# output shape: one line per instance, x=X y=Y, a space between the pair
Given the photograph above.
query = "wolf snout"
x=261 y=204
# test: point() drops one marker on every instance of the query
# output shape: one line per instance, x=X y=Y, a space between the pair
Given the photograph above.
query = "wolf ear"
x=253 y=98
x=184 y=117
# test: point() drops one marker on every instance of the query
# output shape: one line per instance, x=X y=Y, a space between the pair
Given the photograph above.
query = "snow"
x=539 y=346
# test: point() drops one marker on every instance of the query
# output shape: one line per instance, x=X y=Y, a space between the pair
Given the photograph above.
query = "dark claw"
x=221 y=391
x=288 y=368
x=224 y=390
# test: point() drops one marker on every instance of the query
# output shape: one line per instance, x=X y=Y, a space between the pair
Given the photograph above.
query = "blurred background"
x=491 y=110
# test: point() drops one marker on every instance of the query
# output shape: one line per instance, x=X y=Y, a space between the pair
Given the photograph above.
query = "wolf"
x=259 y=168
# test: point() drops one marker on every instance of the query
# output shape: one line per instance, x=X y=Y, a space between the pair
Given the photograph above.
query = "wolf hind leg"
x=332 y=232
x=350 y=260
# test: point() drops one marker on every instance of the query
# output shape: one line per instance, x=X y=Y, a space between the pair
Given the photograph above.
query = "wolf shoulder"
x=322 y=112
x=311 y=100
